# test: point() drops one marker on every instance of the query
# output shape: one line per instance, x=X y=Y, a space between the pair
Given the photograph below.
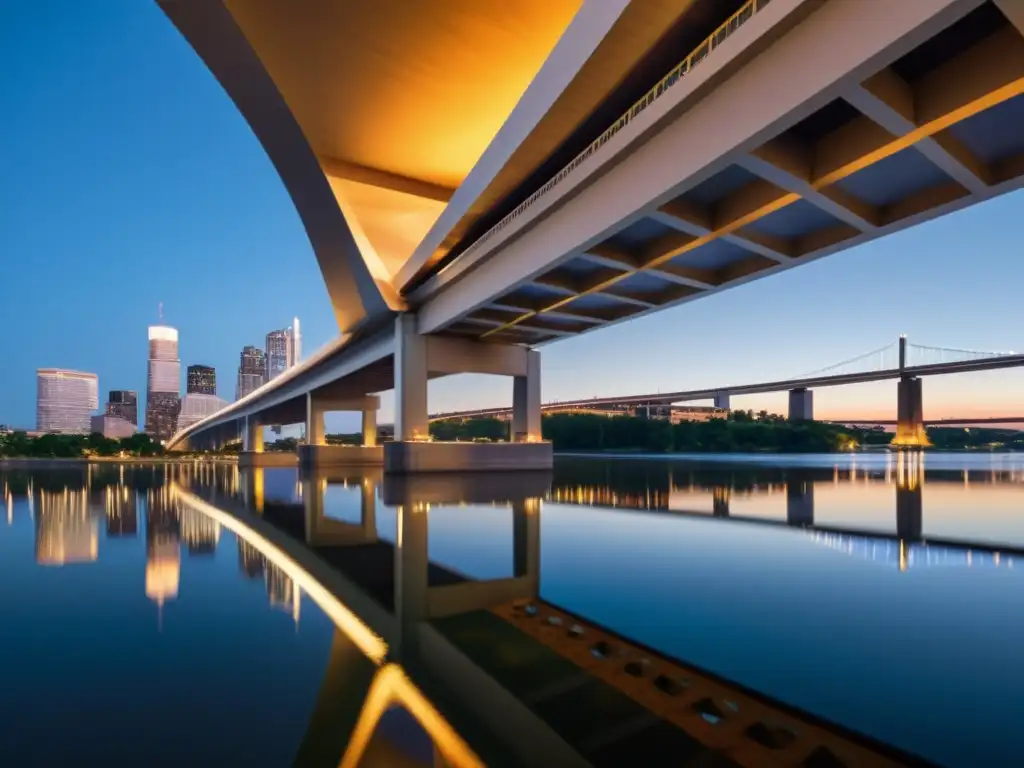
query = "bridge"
x=460 y=225
x=901 y=360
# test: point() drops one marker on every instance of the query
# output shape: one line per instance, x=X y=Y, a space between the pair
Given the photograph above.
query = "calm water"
x=755 y=611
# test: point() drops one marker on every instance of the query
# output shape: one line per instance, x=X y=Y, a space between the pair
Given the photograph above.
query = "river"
x=845 y=605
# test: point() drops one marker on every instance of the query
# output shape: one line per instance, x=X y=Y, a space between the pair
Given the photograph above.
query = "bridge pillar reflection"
x=800 y=503
x=909 y=506
x=801 y=404
x=720 y=501
x=416 y=601
x=910 y=431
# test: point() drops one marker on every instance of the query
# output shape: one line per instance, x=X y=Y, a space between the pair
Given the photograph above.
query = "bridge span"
x=459 y=226
x=801 y=388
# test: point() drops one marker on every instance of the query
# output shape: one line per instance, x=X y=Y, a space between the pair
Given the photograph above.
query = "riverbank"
x=43 y=463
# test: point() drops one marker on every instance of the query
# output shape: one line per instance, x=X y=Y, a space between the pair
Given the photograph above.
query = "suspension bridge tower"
x=910 y=431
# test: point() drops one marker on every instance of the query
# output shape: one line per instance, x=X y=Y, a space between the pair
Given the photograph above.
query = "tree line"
x=54 y=446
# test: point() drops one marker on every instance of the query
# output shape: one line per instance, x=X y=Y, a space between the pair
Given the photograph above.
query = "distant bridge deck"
x=812 y=382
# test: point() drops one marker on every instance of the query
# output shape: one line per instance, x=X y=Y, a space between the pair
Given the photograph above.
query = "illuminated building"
x=252 y=371
x=65 y=400
x=163 y=387
x=279 y=352
x=196 y=407
x=112 y=426
x=296 y=348
x=124 y=404
x=201 y=380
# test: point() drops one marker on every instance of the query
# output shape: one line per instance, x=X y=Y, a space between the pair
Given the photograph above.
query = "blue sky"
x=130 y=179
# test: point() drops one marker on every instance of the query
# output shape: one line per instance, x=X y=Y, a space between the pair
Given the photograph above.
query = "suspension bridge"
x=901 y=360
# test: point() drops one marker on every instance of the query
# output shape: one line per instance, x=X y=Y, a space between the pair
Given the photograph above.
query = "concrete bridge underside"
x=908 y=111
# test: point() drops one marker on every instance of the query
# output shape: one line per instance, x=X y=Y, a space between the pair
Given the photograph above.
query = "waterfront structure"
x=200 y=380
x=163 y=386
x=124 y=404
x=252 y=371
x=112 y=426
x=196 y=407
x=557 y=213
x=65 y=400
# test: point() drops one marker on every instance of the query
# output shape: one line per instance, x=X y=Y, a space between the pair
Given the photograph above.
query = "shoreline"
x=31 y=461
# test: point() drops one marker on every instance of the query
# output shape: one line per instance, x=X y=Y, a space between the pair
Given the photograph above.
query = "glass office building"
x=65 y=400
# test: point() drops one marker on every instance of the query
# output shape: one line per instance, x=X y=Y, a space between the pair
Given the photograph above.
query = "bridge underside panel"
x=915 y=128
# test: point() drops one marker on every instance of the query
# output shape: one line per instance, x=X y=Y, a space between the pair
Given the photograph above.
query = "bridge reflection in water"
x=711 y=490
x=493 y=673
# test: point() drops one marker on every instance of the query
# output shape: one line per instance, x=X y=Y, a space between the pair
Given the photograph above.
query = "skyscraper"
x=201 y=380
x=196 y=407
x=279 y=352
x=163 y=388
x=296 y=349
x=65 y=400
x=124 y=404
x=252 y=371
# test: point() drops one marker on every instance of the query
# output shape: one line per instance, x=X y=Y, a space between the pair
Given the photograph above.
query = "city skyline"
x=913 y=282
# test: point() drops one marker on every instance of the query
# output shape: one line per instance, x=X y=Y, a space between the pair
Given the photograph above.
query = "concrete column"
x=722 y=400
x=526 y=425
x=910 y=432
x=253 y=435
x=314 y=422
x=801 y=405
x=411 y=421
x=369 y=428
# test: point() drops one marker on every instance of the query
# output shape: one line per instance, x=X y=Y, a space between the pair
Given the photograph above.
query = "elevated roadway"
x=510 y=176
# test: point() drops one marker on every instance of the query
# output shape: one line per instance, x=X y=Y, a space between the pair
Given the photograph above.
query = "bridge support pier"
x=253 y=455
x=317 y=453
x=801 y=405
x=416 y=358
x=722 y=400
x=910 y=432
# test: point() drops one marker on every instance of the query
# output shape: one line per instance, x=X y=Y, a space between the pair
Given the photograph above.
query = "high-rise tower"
x=163 y=385
x=124 y=404
x=296 y=350
x=65 y=400
x=279 y=352
x=252 y=371
x=201 y=380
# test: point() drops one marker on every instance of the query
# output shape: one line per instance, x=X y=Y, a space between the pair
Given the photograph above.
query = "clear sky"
x=128 y=178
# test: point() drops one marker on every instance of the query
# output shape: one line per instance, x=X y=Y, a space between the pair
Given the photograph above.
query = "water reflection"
x=610 y=612
x=547 y=685
x=367 y=711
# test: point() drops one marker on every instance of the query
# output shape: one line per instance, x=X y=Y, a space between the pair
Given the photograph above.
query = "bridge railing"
x=696 y=56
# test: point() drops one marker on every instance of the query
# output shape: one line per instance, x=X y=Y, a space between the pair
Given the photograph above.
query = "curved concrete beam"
x=209 y=28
